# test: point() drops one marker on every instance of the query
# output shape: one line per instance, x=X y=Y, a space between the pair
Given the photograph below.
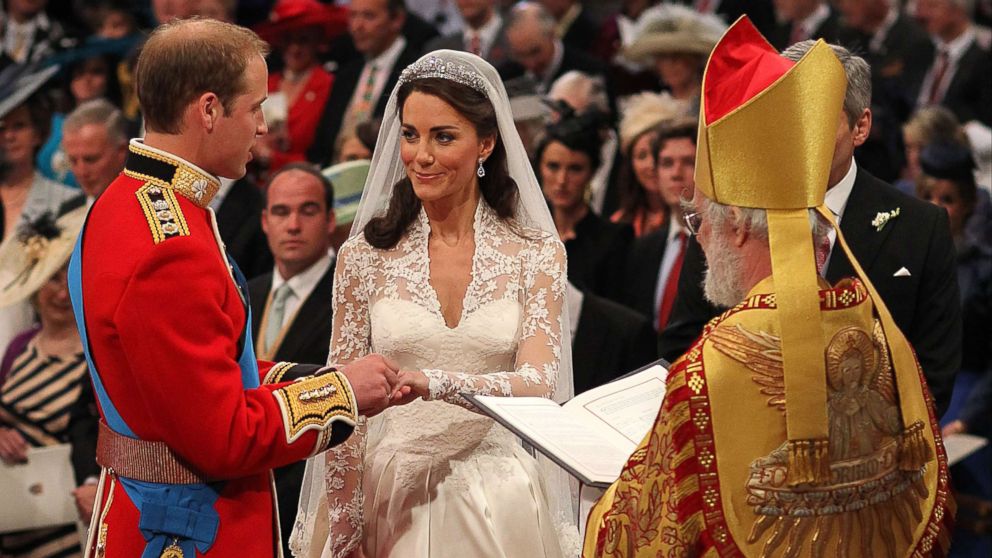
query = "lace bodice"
x=507 y=342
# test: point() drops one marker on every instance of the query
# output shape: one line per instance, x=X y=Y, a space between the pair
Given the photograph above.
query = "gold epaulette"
x=164 y=177
x=165 y=217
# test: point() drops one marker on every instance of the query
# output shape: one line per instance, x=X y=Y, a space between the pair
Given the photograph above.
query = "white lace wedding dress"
x=437 y=479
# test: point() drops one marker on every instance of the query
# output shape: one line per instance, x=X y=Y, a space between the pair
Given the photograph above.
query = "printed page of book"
x=592 y=435
x=628 y=406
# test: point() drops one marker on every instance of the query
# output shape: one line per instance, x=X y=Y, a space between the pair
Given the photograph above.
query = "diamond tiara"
x=434 y=67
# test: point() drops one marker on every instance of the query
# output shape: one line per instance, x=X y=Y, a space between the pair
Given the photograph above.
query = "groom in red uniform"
x=192 y=422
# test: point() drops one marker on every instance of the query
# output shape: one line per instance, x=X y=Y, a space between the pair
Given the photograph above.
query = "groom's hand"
x=373 y=379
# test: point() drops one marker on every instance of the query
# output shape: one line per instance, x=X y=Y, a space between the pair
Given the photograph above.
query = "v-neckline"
x=435 y=298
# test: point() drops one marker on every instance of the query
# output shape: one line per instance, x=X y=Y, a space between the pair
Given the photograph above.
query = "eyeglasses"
x=693 y=221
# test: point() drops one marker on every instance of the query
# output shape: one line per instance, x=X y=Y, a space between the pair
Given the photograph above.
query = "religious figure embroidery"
x=865 y=435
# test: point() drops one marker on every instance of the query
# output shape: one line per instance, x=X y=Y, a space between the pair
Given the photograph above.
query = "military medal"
x=172 y=551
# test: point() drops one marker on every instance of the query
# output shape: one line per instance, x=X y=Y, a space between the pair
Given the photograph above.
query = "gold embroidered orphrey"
x=864 y=450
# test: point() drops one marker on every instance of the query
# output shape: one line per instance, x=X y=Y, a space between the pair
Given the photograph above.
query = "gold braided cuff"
x=316 y=403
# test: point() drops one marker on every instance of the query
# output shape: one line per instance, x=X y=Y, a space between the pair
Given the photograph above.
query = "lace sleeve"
x=538 y=358
x=350 y=340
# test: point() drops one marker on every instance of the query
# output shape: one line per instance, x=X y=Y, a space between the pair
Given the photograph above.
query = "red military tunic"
x=165 y=322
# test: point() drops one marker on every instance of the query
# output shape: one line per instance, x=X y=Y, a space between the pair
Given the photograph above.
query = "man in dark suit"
x=291 y=305
x=903 y=244
x=239 y=210
x=362 y=85
x=802 y=20
x=899 y=52
x=654 y=263
x=484 y=34
x=959 y=76
x=536 y=52
x=608 y=339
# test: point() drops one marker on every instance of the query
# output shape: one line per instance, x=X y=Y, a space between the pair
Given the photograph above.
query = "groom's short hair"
x=186 y=58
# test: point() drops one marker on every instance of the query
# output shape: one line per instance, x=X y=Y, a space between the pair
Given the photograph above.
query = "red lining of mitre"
x=742 y=65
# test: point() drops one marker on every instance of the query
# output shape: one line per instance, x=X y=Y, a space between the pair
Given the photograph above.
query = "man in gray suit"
x=484 y=33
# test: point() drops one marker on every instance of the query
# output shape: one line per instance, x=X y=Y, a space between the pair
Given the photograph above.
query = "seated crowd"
x=606 y=97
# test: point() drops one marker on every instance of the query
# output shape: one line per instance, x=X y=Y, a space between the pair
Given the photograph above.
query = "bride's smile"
x=440 y=149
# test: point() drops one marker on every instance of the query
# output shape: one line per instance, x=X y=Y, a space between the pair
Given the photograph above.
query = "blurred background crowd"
x=605 y=96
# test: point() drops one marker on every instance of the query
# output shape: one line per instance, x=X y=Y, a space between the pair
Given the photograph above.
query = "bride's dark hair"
x=498 y=189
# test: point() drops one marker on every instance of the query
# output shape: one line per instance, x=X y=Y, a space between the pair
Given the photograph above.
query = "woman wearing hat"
x=24 y=192
x=677 y=41
x=300 y=31
x=45 y=396
x=641 y=203
x=947 y=179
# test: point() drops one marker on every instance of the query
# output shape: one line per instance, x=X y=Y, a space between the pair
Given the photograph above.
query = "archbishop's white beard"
x=724 y=266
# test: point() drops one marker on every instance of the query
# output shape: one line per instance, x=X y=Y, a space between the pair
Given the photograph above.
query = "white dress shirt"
x=384 y=66
x=302 y=284
x=836 y=201
x=488 y=34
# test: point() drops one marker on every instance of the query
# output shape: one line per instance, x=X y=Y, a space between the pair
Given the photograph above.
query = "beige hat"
x=30 y=257
x=672 y=29
x=644 y=111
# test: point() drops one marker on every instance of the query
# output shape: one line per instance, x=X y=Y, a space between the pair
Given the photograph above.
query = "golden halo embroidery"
x=314 y=403
x=165 y=217
x=865 y=430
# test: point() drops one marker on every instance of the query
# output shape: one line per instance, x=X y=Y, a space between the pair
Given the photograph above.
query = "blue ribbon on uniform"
x=168 y=513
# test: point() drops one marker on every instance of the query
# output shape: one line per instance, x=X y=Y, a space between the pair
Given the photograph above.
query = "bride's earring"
x=482 y=170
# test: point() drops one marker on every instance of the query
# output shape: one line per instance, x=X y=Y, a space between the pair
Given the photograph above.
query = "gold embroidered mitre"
x=767 y=130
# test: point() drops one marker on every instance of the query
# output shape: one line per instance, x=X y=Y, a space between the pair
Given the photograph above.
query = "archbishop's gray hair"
x=756 y=220
x=858 y=95
x=103 y=113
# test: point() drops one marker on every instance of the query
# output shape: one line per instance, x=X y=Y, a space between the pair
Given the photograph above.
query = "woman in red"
x=299 y=30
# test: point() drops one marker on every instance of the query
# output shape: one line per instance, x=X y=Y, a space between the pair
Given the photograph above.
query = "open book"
x=592 y=435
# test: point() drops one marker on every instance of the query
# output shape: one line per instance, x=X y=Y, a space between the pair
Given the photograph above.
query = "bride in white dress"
x=453 y=270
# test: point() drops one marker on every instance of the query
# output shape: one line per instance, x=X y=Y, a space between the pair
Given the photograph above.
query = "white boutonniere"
x=883 y=217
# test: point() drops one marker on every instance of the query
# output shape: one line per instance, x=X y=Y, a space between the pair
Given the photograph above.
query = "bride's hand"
x=410 y=385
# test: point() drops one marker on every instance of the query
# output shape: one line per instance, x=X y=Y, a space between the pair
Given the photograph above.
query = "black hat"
x=949 y=161
x=20 y=81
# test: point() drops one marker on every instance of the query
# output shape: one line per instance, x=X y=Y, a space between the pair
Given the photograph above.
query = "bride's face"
x=440 y=148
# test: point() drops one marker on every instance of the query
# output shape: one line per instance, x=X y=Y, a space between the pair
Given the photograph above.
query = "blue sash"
x=182 y=513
